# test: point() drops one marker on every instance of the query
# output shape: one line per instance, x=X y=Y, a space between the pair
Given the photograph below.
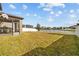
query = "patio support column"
x=12 y=26
x=20 y=26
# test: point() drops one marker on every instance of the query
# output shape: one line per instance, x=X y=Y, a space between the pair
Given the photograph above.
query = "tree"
x=60 y=28
x=48 y=28
x=43 y=27
x=54 y=28
x=38 y=27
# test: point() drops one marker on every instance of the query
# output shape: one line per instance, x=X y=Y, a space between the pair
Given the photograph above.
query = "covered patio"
x=10 y=24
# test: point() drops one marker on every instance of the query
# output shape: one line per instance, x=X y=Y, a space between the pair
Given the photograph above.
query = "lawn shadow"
x=65 y=46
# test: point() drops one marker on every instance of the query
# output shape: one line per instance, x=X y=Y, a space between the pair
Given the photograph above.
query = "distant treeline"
x=39 y=27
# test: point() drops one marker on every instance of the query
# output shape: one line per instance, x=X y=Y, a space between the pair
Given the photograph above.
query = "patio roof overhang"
x=10 y=18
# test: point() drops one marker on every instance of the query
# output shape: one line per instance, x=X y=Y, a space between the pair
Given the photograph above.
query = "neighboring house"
x=73 y=27
x=69 y=28
x=28 y=28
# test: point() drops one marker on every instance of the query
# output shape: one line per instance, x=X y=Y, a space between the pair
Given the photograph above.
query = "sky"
x=46 y=14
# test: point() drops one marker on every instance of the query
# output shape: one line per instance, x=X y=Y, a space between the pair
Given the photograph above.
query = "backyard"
x=39 y=43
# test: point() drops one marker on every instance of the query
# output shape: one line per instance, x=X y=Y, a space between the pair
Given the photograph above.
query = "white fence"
x=77 y=31
x=59 y=31
x=29 y=30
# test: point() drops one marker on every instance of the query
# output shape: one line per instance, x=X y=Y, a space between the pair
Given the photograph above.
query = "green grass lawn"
x=26 y=42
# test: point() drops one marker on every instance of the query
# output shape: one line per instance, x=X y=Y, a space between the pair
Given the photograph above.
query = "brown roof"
x=10 y=15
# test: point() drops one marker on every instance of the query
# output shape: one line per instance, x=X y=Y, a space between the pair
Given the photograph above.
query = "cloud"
x=47 y=9
x=12 y=6
x=19 y=13
x=24 y=6
x=56 y=14
x=28 y=14
x=42 y=5
x=72 y=11
x=49 y=6
x=59 y=12
x=55 y=5
x=51 y=12
x=35 y=15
